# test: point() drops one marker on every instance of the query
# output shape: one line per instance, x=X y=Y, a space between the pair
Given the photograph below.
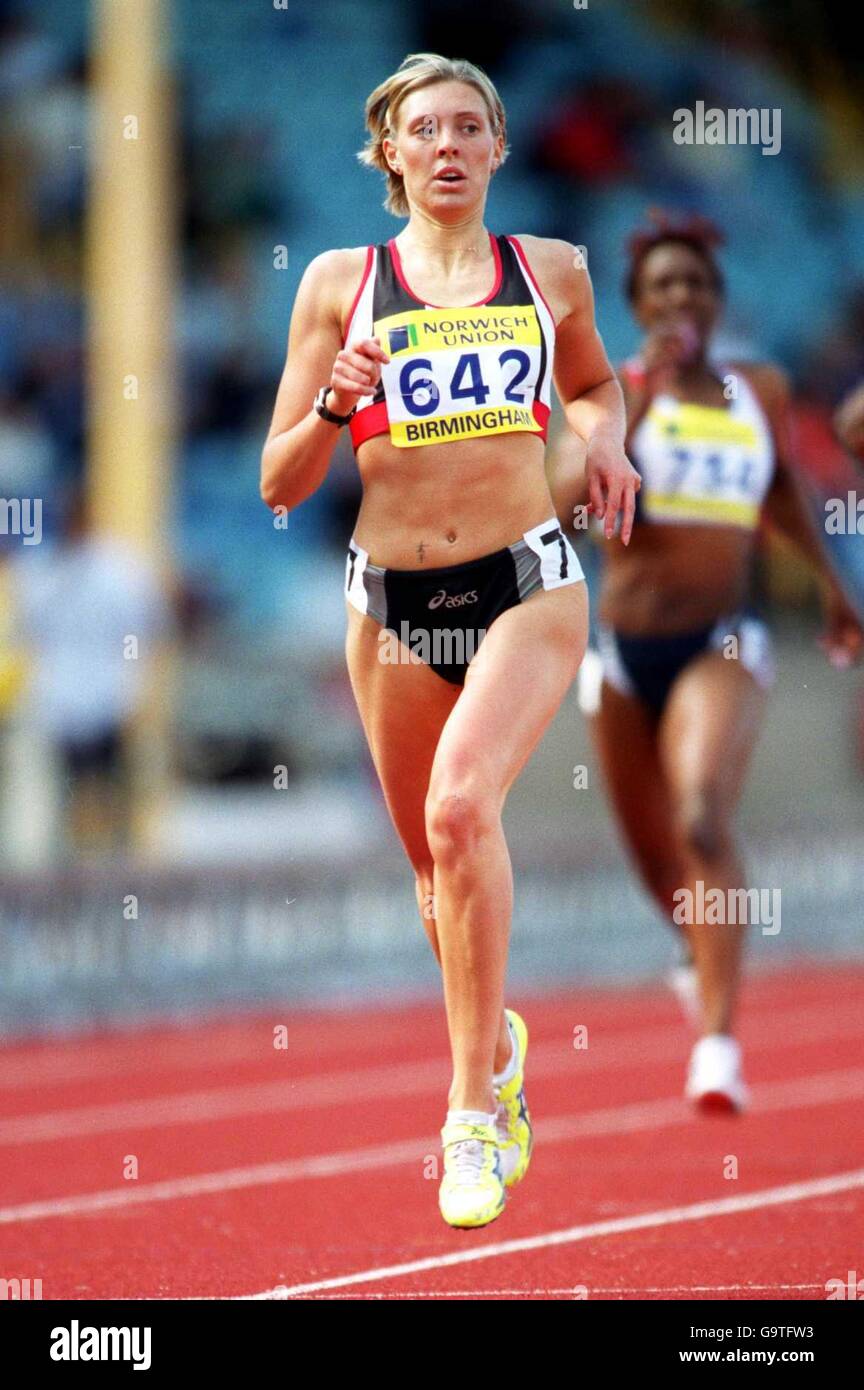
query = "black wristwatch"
x=328 y=414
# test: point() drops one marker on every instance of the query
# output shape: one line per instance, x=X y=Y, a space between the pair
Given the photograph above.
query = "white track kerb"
x=672 y=1216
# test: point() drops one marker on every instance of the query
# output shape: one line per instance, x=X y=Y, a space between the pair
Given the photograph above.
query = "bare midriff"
x=445 y=504
x=674 y=579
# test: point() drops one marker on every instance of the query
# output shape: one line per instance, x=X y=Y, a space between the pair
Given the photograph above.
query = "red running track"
x=311 y=1170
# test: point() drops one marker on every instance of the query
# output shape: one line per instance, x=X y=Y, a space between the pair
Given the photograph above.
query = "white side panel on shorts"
x=355 y=589
x=590 y=682
x=550 y=555
x=755 y=647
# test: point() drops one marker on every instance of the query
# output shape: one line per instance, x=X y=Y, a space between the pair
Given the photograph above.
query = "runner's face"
x=676 y=285
x=445 y=126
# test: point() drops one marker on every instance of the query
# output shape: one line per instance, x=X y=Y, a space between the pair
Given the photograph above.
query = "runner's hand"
x=612 y=486
x=667 y=347
x=356 y=373
x=843 y=638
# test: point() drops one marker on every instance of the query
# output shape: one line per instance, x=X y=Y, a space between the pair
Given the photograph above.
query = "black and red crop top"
x=454 y=373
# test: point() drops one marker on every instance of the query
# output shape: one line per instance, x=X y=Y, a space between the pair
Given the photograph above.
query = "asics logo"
x=452 y=600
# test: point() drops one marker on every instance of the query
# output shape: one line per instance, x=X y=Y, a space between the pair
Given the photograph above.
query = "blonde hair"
x=382 y=112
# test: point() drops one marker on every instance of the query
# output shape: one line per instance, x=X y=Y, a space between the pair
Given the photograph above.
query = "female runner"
x=456 y=548
x=685 y=668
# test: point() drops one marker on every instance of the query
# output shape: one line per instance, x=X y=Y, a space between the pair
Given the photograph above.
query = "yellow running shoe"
x=472 y=1190
x=512 y=1120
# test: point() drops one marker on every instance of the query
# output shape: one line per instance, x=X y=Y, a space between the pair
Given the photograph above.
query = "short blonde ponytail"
x=382 y=112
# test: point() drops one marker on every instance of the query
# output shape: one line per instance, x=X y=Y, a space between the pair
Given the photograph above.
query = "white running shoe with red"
x=714 y=1080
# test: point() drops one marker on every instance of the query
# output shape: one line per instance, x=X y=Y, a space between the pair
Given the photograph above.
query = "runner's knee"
x=457 y=822
x=702 y=826
x=663 y=873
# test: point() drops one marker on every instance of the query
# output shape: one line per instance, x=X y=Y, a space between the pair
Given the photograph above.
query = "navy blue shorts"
x=647 y=667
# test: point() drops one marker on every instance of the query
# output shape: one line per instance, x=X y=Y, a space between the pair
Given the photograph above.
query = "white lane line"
x=572 y=1291
x=229 y=1180
x=131 y=1054
x=651 y=1220
x=63 y=1066
x=225 y=1102
x=71 y=1062
x=392 y=1080
x=825 y=1089
x=828 y=1088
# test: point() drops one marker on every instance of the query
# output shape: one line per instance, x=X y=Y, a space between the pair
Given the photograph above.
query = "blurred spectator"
x=230 y=181
x=584 y=144
x=90 y=610
x=586 y=136
x=26 y=452
x=29 y=57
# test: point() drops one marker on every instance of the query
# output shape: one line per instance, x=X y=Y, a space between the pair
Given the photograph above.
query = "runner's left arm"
x=787 y=512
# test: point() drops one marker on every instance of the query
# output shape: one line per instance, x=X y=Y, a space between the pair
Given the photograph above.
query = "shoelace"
x=466 y=1160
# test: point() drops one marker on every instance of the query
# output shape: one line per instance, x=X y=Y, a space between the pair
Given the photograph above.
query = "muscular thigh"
x=709 y=729
x=513 y=688
x=403 y=709
x=625 y=735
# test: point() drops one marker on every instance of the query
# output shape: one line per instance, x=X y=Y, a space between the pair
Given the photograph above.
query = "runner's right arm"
x=299 y=446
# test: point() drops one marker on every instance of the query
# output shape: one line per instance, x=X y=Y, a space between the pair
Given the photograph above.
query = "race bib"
x=460 y=373
x=705 y=466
